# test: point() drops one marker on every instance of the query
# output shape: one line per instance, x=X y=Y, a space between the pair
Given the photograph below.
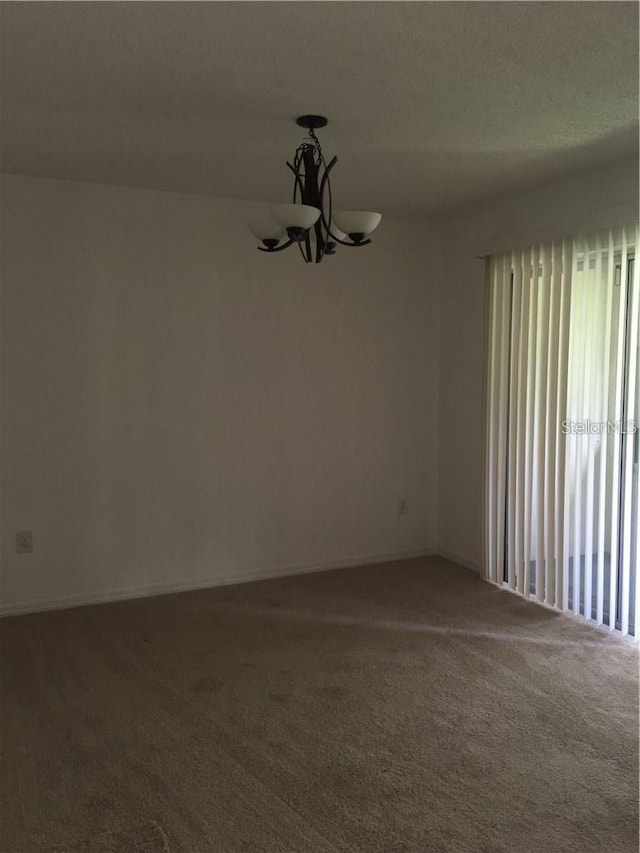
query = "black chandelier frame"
x=312 y=186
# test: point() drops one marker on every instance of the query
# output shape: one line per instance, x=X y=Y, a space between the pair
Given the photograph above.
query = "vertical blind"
x=563 y=399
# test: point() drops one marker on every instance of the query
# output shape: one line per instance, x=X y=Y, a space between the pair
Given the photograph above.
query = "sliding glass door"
x=601 y=473
x=563 y=426
x=629 y=508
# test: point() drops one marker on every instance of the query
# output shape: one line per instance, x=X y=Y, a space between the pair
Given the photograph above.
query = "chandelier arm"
x=277 y=248
x=298 y=182
x=320 y=242
x=325 y=182
x=307 y=248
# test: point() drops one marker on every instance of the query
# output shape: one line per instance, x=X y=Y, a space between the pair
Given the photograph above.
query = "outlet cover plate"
x=24 y=542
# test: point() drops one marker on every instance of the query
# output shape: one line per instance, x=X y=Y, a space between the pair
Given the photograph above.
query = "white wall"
x=602 y=199
x=180 y=409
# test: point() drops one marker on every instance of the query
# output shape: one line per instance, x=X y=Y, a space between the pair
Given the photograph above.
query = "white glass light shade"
x=295 y=215
x=263 y=227
x=356 y=221
x=338 y=232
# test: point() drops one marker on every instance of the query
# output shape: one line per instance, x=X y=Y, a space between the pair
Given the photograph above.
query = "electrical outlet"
x=403 y=506
x=24 y=542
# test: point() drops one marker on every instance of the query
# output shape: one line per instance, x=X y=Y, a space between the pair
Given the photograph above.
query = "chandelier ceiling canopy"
x=310 y=221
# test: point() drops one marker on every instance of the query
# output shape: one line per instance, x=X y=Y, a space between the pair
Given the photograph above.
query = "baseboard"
x=149 y=590
x=474 y=565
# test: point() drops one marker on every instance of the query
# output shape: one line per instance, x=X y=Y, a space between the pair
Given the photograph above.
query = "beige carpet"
x=401 y=707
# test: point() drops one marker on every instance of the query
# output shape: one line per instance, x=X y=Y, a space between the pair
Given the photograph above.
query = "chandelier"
x=310 y=222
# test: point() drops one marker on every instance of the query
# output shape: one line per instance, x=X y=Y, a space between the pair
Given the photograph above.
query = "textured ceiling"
x=431 y=105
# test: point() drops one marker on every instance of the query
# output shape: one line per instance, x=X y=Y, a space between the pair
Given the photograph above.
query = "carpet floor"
x=400 y=707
